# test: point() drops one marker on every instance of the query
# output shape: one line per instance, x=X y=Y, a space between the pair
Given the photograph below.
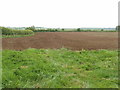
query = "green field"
x=13 y=36
x=59 y=68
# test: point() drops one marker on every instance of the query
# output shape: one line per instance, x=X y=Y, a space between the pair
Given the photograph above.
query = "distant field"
x=71 y=40
x=14 y=36
x=61 y=68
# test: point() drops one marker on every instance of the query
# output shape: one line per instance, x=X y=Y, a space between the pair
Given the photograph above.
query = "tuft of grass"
x=60 y=68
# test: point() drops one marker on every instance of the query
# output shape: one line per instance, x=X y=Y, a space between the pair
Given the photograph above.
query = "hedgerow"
x=8 y=31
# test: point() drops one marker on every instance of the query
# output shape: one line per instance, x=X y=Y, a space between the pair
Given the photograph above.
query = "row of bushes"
x=46 y=30
x=42 y=30
x=75 y=30
x=96 y=30
x=8 y=31
x=67 y=30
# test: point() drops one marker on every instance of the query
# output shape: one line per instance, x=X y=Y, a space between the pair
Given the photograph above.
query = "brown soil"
x=71 y=40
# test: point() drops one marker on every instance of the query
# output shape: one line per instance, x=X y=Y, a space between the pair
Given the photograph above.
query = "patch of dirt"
x=71 y=40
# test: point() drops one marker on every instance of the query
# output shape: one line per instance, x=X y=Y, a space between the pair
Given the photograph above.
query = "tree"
x=117 y=28
x=102 y=29
x=31 y=28
x=62 y=29
x=56 y=30
x=78 y=29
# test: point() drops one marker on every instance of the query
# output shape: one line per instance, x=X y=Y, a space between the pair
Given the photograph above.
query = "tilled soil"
x=71 y=40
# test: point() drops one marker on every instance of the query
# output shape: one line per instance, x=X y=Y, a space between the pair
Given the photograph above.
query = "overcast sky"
x=59 y=13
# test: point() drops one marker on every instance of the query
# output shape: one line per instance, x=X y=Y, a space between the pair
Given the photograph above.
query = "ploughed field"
x=71 y=40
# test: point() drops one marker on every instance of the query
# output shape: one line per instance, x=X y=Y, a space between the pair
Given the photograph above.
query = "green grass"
x=14 y=36
x=61 y=68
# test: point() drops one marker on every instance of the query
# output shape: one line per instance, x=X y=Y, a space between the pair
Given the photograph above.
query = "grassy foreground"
x=48 y=68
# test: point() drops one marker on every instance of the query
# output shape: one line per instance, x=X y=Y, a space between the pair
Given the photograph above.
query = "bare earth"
x=71 y=40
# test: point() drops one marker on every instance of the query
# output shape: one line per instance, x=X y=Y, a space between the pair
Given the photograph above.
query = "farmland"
x=61 y=60
x=71 y=40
